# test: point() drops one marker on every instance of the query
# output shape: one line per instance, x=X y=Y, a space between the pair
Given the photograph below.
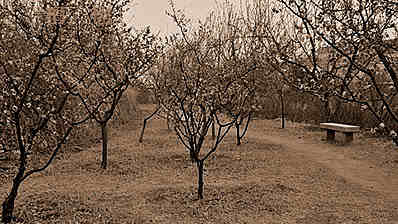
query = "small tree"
x=114 y=62
x=152 y=84
x=240 y=63
x=38 y=113
x=197 y=88
x=49 y=52
x=193 y=110
x=146 y=119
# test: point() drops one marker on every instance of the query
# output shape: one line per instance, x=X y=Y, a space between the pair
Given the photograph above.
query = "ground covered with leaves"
x=275 y=176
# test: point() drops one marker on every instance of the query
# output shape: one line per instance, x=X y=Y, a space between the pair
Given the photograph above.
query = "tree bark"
x=326 y=117
x=141 y=139
x=282 y=111
x=104 y=131
x=9 y=202
x=238 y=137
x=213 y=131
x=200 y=164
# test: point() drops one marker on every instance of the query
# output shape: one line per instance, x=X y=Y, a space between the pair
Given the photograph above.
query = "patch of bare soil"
x=275 y=176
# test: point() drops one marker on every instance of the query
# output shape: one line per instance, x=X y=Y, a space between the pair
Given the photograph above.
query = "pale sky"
x=152 y=13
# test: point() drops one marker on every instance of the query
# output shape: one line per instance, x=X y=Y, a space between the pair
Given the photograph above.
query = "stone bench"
x=331 y=129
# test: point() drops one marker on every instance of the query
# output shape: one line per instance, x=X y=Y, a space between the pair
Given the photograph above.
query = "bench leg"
x=330 y=135
x=349 y=137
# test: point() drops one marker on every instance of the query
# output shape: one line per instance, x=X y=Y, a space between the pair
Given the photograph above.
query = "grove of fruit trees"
x=65 y=64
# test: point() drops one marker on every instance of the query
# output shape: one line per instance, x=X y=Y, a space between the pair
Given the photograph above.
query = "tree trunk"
x=104 y=131
x=200 y=164
x=142 y=132
x=238 y=137
x=9 y=202
x=282 y=111
x=213 y=131
x=146 y=120
x=326 y=116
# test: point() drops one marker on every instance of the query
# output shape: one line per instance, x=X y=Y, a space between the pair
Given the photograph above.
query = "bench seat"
x=331 y=129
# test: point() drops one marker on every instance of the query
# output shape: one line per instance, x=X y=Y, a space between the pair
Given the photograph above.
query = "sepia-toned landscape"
x=263 y=111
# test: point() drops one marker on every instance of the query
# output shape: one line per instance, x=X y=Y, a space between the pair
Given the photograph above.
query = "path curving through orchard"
x=357 y=171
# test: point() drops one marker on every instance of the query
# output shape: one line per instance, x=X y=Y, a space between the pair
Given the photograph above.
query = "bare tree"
x=57 y=72
x=146 y=119
x=192 y=113
x=115 y=58
x=197 y=87
x=350 y=48
x=153 y=82
x=340 y=49
x=38 y=113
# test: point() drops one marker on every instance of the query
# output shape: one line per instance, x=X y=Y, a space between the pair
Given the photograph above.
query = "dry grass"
x=154 y=182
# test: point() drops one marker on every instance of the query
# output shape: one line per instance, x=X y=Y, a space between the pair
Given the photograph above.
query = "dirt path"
x=360 y=172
